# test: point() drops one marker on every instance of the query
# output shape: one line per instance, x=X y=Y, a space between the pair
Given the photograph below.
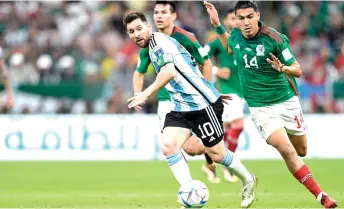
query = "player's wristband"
x=220 y=30
x=214 y=70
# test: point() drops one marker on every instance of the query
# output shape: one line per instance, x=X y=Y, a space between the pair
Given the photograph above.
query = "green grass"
x=151 y=185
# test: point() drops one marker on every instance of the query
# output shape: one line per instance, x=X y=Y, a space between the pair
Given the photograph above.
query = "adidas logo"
x=237 y=46
x=212 y=139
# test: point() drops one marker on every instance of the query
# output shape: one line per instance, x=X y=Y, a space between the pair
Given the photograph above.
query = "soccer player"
x=164 y=17
x=267 y=69
x=6 y=80
x=197 y=105
x=228 y=83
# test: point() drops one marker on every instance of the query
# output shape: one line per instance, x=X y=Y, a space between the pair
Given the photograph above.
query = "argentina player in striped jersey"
x=197 y=104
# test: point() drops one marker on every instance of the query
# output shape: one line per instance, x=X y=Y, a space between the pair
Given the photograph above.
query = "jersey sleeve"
x=284 y=51
x=143 y=61
x=197 y=51
x=212 y=48
x=161 y=51
x=232 y=38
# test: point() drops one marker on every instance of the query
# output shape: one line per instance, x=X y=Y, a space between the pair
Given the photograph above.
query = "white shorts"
x=164 y=107
x=233 y=110
x=288 y=114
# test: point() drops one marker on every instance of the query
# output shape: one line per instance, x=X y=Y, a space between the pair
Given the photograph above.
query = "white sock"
x=234 y=164
x=179 y=167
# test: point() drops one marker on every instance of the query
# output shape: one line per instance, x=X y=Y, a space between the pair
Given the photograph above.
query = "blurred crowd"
x=85 y=41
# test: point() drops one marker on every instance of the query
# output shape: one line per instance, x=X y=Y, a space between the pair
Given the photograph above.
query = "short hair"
x=133 y=16
x=229 y=11
x=173 y=7
x=245 y=5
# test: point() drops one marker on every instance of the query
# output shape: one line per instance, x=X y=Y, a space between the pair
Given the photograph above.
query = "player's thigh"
x=208 y=127
x=207 y=124
x=300 y=144
x=293 y=117
x=175 y=132
x=266 y=119
x=164 y=107
x=175 y=137
x=280 y=140
x=234 y=110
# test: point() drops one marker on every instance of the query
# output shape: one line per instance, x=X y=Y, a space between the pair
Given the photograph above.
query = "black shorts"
x=206 y=123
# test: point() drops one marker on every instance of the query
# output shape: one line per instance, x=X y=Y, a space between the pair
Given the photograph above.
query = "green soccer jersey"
x=261 y=84
x=231 y=85
x=189 y=42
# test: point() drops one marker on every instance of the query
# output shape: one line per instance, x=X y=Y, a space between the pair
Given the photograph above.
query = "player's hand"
x=275 y=63
x=10 y=102
x=224 y=73
x=213 y=14
x=137 y=101
x=226 y=98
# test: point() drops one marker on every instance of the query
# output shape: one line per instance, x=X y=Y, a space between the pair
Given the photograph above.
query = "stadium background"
x=74 y=58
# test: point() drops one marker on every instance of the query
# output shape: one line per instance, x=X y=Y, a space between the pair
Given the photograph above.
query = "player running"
x=197 y=105
x=9 y=100
x=228 y=83
x=164 y=17
x=267 y=69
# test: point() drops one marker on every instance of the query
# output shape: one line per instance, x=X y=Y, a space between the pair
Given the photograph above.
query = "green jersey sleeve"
x=232 y=41
x=284 y=51
x=197 y=51
x=212 y=48
x=143 y=61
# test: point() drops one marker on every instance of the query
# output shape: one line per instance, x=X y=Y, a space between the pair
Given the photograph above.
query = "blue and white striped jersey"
x=189 y=90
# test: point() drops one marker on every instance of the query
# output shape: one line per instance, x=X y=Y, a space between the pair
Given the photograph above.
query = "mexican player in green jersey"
x=228 y=82
x=164 y=17
x=267 y=70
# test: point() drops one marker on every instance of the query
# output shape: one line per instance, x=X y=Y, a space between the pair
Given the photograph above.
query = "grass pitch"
x=128 y=185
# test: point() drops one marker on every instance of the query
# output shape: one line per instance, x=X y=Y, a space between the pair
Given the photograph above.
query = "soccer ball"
x=193 y=194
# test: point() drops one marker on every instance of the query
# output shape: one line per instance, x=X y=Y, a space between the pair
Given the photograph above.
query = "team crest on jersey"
x=157 y=52
x=260 y=50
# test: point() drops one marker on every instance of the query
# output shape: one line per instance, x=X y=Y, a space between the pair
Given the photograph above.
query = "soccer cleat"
x=326 y=200
x=248 y=191
x=212 y=178
x=227 y=175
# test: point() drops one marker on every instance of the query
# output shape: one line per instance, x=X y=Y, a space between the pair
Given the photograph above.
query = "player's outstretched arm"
x=215 y=21
x=166 y=74
x=293 y=70
x=207 y=70
x=138 y=79
x=10 y=99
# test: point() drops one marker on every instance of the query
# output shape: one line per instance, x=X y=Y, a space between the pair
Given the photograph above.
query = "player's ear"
x=258 y=14
x=174 y=16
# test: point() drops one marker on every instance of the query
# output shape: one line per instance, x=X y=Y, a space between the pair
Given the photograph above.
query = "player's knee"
x=302 y=151
x=217 y=158
x=169 y=148
x=193 y=149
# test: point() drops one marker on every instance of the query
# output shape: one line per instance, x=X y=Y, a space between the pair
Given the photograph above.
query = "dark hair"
x=171 y=3
x=231 y=10
x=133 y=16
x=245 y=5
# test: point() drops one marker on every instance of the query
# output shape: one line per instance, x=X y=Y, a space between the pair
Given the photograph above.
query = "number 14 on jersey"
x=252 y=63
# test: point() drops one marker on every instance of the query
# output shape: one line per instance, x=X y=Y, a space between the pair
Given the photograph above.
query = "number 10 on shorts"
x=206 y=130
